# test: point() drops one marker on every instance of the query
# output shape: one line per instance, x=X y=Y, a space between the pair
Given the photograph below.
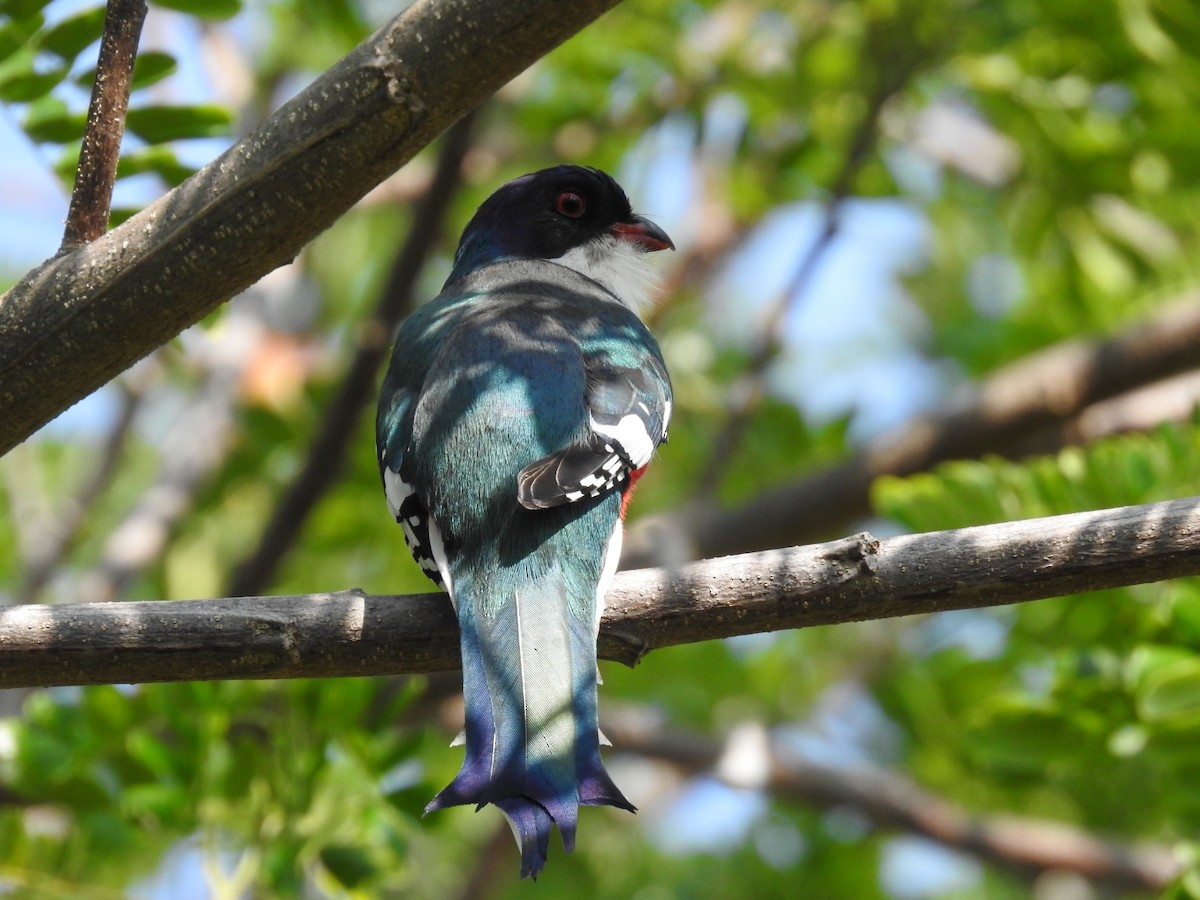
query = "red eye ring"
x=570 y=204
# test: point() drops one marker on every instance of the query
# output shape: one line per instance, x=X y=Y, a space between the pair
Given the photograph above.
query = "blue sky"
x=853 y=337
x=35 y=203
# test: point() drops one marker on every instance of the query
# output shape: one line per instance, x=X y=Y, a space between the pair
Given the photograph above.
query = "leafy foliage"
x=44 y=65
x=1092 y=699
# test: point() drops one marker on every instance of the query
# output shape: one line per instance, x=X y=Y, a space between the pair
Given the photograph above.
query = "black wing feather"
x=601 y=462
x=571 y=474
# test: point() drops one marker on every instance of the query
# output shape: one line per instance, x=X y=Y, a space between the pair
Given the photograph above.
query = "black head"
x=545 y=214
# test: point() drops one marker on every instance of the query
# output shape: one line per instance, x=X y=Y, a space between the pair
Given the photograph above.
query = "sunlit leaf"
x=1170 y=695
x=22 y=9
x=1148 y=659
x=51 y=121
x=149 y=68
x=160 y=160
x=73 y=34
x=15 y=34
x=203 y=9
x=30 y=84
x=158 y=124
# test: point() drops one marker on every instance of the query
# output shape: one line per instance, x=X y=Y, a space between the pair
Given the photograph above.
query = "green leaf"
x=16 y=33
x=152 y=753
x=119 y=214
x=1184 y=601
x=349 y=865
x=1148 y=659
x=67 y=163
x=22 y=9
x=1171 y=694
x=49 y=120
x=151 y=67
x=1016 y=736
x=159 y=160
x=204 y=9
x=160 y=801
x=158 y=124
x=29 y=85
x=73 y=35
x=22 y=78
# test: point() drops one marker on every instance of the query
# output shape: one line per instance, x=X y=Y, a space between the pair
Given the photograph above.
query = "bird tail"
x=529 y=684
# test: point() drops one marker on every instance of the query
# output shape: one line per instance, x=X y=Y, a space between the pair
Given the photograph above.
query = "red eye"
x=570 y=204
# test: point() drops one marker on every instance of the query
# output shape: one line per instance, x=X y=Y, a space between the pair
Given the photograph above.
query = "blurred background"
x=912 y=237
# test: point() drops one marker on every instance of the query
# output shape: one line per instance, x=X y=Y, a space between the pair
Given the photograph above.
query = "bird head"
x=575 y=216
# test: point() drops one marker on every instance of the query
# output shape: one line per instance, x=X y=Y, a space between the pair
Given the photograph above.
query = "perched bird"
x=519 y=408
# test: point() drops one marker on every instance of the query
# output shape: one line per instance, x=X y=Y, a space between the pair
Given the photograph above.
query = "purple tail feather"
x=532 y=741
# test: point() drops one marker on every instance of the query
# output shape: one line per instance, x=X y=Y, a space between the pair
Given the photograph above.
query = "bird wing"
x=629 y=409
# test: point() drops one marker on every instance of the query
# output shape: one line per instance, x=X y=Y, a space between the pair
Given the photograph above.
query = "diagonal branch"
x=853 y=579
x=96 y=174
x=81 y=318
x=326 y=456
x=1025 y=845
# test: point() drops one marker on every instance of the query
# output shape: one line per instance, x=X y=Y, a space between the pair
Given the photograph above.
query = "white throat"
x=618 y=266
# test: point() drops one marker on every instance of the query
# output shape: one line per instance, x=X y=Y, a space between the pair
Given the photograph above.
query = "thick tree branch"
x=1027 y=846
x=96 y=174
x=82 y=317
x=1043 y=390
x=853 y=579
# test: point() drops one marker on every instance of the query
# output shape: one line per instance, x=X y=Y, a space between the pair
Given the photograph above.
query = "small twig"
x=91 y=197
x=326 y=456
x=748 y=394
x=890 y=800
x=75 y=514
x=28 y=506
x=751 y=390
x=191 y=451
x=854 y=579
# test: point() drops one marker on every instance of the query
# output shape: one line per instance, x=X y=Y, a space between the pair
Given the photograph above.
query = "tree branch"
x=96 y=174
x=1028 y=846
x=84 y=316
x=1042 y=390
x=853 y=579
